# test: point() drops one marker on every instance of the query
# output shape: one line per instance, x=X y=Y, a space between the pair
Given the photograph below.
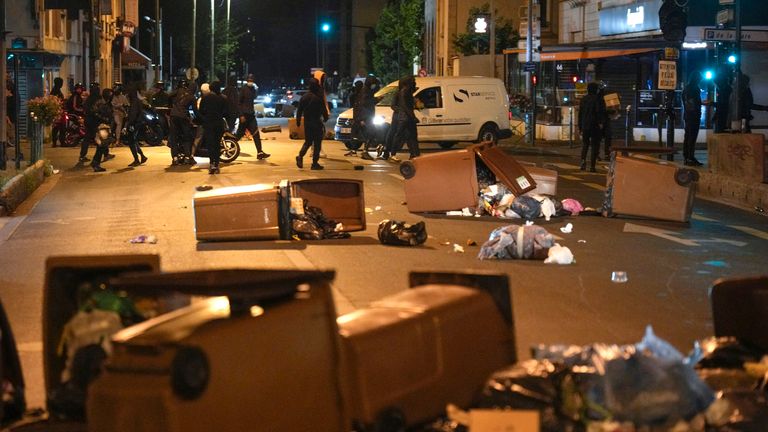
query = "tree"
x=398 y=38
x=471 y=43
x=221 y=48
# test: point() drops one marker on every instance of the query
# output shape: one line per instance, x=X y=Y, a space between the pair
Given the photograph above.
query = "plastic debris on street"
x=517 y=242
x=144 y=238
x=399 y=233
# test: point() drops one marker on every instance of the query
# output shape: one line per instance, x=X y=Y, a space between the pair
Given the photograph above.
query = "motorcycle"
x=230 y=147
x=150 y=127
x=73 y=128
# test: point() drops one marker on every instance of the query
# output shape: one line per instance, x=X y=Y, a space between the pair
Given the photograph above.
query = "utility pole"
x=492 y=42
x=212 y=74
x=226 y=51
x=529 y=85
x=737 y=82
x=158 y=42
x=194 y=29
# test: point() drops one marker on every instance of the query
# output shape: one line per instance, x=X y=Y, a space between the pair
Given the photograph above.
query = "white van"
x=452 y=109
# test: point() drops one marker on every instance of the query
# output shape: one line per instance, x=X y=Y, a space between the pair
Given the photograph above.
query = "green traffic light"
x=325 y=27
x=731 y=59
x=708 y=75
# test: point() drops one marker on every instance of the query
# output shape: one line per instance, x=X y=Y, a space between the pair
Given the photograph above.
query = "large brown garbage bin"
x=262 y=211
x=647 y=187
x=449 y=180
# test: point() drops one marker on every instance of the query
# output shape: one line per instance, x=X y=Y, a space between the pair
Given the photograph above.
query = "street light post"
x=194 y=29
x=158 y=42
x=226 y=51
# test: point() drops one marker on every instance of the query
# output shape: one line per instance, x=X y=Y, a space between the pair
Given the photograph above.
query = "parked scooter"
x=230 y=148
x=74 y=129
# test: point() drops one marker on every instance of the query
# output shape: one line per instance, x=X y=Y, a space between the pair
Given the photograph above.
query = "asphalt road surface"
x=670 y=266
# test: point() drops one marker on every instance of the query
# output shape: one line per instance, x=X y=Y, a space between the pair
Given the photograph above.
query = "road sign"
x=726 y=2
x=192 y=74
x=529 y=67
x=723 y=35
x=724 y=16
x=671 y=53
x=667 y=75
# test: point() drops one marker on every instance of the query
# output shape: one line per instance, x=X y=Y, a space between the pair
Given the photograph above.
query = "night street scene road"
x=349 y=216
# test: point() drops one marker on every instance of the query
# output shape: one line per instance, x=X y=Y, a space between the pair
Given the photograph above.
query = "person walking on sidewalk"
x=213 y=114
x=314 y=114
x=132 y=123
x=591 y=123
x=103 y=113
x=692 y=118
x=403 y=129
x=248 y=117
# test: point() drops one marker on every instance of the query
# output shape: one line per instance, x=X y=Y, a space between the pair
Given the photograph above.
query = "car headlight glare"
x=267 y=99
x=378 y=120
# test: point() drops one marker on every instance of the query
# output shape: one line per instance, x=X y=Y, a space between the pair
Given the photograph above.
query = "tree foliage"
x=398 y=39
x=222 y=47
x=471 y=43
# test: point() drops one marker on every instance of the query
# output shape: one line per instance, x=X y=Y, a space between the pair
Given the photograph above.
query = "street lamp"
x=325 y=28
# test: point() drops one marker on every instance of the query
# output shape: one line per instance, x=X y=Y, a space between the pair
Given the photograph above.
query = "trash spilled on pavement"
x=524 y=242
x=721 y=386
x=399 y=233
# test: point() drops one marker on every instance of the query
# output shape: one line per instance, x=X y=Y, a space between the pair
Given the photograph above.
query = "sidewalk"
x=722 y=189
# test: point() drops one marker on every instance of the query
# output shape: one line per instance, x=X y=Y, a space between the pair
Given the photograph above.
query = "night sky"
x=280 y=44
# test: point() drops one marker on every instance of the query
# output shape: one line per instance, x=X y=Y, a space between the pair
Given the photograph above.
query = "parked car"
x=451 y=109
x=286 y=107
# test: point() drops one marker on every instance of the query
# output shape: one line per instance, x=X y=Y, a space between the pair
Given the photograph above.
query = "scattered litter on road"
x=377 y=208
x=359 y=167
x=572 y=206
x=471 y=242
x=56 y=171
x=144 y=238
x=404 y=203
x=517 y=242
x=619 y=276
x=202 y=188
x=457 y=248
x=581 y=241
x=757 y=208
x=368 y=210
x=559 y=255
x=567 y=229
x=528 y=223
x=399 y=233
x=446 y=243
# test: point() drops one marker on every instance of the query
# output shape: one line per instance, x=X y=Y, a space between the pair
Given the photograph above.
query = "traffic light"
x=575 y=79
x=325 y=27
x=732 y=59
x=534 y=79
x=673 y=21
x=709 y=75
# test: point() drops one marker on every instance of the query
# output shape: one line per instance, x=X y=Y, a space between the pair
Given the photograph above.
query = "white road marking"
x=673 y=236
x=751 y=231
x=595 y=186
x=699 y=217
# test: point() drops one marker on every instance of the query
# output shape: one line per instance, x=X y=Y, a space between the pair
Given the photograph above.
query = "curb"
x=21 y=186
x=732 y=191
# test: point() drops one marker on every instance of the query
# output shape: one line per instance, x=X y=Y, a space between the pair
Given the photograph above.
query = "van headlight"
x=267 y=99
x=378 y=120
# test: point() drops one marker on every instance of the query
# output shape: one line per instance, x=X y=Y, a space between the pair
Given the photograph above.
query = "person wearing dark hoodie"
x=591 y=122
x=103 y=114
x=248 y=117
x=132 y=123
x=692 y=118
x=314 y=114
x=403 y=129
x=366 y=104
x=60 y=124
x=354 y=99
x=91 y=121
x=213 y=113
x=232 y=94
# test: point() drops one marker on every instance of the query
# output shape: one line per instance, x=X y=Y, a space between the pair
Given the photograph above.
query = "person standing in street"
x=91 y=120
x=199 y=129
x=104 y=115
x=314 y=114
x=404 y=121
x=692 y=118
x=248 y=117
x=591 y=123
x=741 y=114
x=60 y=124
x=181 y=101
x=120 y=108
x=233 y=98
x=366 y=104
x=355 y=98
x=132 y=123
x=723 y=96
x=213 y=113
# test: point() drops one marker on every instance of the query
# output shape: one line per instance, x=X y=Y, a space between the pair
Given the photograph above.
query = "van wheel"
x=353 y=144
x=446 y=144
x=489 y=132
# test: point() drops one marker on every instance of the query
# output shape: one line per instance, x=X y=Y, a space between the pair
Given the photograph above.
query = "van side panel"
x=470 y=106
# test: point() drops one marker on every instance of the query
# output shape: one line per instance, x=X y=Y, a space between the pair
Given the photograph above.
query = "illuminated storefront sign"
x=636 y=17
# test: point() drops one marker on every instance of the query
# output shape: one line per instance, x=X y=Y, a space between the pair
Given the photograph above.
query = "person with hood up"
x=232 y=94
x=213 y=113
x=314 y=114
x=365 y=104
x=103 y=115
x=403 y=129
x=591 y=122
x=91 y=121
x=357 y=94
x=180 y=137
x=248 y=117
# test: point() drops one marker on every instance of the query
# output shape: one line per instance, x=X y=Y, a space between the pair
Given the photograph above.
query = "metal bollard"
x=658 y=124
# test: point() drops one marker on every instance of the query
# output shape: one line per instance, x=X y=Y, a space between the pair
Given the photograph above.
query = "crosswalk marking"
x=751 y=231
x=595 y=186
x=699 y=217
x=570 y=177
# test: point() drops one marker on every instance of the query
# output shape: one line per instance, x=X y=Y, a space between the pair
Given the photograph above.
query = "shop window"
x=57 y=27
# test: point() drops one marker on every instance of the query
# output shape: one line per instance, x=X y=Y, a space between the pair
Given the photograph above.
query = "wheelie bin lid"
x=506 y=169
